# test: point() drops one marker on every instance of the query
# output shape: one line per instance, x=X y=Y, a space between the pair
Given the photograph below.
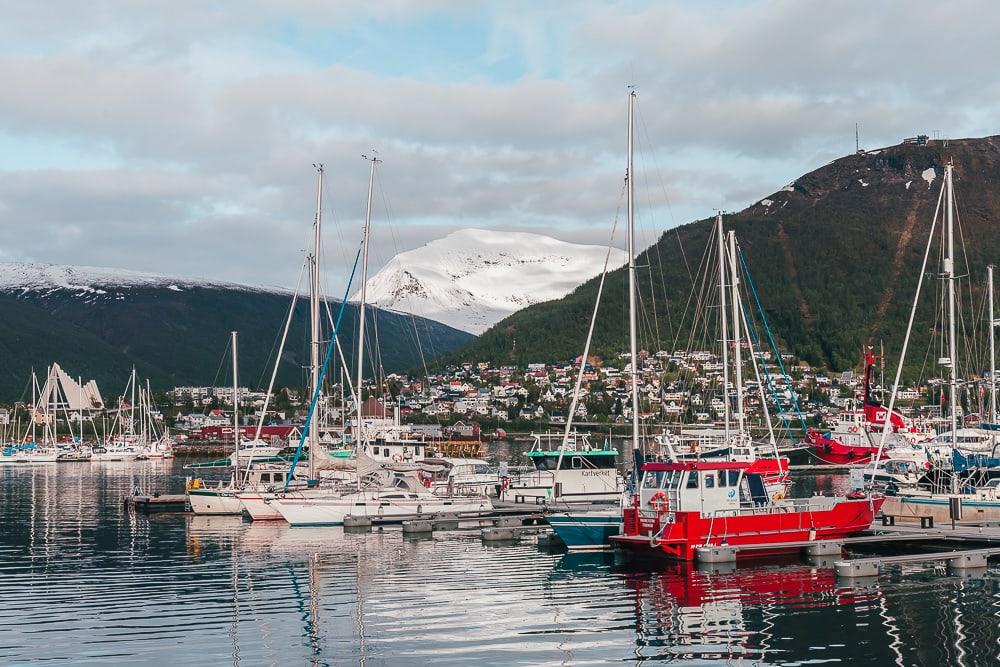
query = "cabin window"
x=674 y=480
x=734 y=477
x=722 y=478
x=385 y=452
x=709 y=480
x=416 y=451
x=651 y=480
x=265 y=477
x=576 y=462
x=279 y=477
x=692 y=480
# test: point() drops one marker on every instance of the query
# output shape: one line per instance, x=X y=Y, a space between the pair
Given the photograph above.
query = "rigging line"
x=319 y=385
x=410 y=297
x=759 y=350
x=770 y=337
x=705 y=258
x=666 y=196
x=648 y=255
x=218 y=371
x=274 y=373
x=338 y=227
x=906 y=339
x=274 y=343
x=586 y=348
x=340 y=352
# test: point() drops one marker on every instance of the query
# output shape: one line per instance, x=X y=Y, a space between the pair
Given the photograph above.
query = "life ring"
x=659 y=502
x=396 y=458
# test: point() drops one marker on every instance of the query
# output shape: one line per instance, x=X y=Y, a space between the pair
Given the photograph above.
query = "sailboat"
x=738 y=498
x=223 y=498
x=966 y=444
x=264 y=483
x=593 y=528
x=126 y=439
x=41 y=447
x=381 y=489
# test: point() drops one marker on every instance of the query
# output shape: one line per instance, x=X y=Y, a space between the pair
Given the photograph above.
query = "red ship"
x=856 y=434
x=683 y=506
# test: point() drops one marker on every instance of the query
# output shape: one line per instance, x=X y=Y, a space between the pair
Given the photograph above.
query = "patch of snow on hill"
x=92 y=281
x=473 y=278
x=929 y=175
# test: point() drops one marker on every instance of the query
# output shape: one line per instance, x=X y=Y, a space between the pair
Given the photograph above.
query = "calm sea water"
x=84 y=582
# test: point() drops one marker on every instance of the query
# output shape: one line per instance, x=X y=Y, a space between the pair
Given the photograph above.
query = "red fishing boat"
x=856 y=433
x=683 y=506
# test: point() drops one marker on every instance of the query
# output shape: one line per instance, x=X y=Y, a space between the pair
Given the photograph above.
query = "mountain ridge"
x=834 y=255
x=98 y=322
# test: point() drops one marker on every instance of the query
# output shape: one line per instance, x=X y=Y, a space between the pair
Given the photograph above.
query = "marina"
x=222 y=590
x=434 y=333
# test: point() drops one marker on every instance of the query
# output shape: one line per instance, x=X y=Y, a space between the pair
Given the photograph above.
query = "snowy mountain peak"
x=25 y=277
x=473 y=278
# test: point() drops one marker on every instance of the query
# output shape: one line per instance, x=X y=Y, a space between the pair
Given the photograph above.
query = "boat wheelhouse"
x=576 y=472
x=685 y=505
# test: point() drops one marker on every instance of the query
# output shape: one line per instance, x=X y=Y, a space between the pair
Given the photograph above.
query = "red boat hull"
x=830 y=451
x=690 y=530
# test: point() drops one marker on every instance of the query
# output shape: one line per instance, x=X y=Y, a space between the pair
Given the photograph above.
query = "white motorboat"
x=405 y=497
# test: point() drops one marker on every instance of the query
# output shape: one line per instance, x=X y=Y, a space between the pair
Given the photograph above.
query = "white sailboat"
x=913 y=501
x=126 y=439
x=223 y=499
x=380 y=488
x=591 y=528
x=40 y=443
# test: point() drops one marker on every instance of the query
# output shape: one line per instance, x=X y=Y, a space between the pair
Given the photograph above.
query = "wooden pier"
x=157 y=502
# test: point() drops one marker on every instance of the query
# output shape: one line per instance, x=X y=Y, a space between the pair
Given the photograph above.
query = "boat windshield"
x=652 y=479
x=662 y=479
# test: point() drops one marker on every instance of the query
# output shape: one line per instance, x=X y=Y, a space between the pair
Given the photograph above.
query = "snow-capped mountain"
x=99 y=322
x=473 y=278
x=93 y=281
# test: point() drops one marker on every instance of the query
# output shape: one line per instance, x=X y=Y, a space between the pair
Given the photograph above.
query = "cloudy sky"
x=178 y=137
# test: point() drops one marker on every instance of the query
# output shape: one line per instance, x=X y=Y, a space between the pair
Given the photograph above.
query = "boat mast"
x=35 y=402
x=737 y=337
x=722 y=319
x=314 y=320
x=363 y=295
x=993 y=357
x=633 y=345
x=236 y=412
x=131 y=409
x=949 y=268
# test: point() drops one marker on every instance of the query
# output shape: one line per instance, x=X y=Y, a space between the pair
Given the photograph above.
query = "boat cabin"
x=708 y=487
x=574 y=472
x=395 y=451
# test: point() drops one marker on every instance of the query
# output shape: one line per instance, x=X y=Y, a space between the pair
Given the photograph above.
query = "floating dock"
x=966 y=559
x=157 y=502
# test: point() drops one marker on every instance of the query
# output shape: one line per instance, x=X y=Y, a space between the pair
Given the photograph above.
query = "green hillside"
x=835 y=258
x=181 y=337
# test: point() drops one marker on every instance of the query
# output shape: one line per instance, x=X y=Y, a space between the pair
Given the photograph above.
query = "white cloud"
x=180 y=139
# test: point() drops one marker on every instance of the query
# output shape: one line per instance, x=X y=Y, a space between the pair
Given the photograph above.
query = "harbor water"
x=83 y=581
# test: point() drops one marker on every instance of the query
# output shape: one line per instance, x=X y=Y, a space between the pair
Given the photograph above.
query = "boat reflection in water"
x=765 y=613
